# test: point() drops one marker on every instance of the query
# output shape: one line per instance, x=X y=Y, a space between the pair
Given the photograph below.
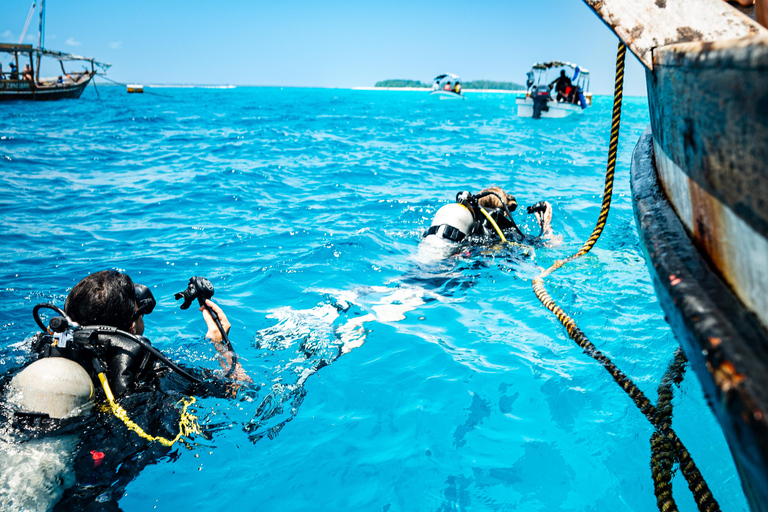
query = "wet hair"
x=492 y=201
x=103 y=298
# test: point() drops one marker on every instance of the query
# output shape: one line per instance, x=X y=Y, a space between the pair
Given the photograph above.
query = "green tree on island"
x=401 y=83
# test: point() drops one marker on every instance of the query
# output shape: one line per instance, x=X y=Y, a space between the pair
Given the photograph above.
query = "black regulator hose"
x=36 y=315
x=106 y=329
x=227 y=343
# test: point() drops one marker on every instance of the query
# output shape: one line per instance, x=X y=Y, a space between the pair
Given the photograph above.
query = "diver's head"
x=110 y=298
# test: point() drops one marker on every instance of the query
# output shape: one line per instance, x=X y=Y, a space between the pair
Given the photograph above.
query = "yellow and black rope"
x=696 y=483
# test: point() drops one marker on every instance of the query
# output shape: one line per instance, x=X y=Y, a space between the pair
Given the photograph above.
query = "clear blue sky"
x=330 y=43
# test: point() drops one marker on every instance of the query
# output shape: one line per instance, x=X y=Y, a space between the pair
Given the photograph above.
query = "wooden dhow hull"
x=700 y=193
x=724 y=342
x=709 y=117
x=25 y=90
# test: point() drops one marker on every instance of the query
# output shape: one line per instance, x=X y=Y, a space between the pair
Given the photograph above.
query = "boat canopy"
x=544 y=66
x=538 y=75
x=446 y=77
x=60 y=56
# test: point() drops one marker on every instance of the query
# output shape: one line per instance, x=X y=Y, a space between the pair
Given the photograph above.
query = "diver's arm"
x=228 y=357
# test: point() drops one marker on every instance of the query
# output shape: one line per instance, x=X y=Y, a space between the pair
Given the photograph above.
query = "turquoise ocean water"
x=305 y=208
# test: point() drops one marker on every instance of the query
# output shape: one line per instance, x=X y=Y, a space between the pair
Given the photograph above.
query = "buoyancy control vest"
x=124 y=360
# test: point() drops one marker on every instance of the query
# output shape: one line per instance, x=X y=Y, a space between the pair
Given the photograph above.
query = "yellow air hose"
x=187 y=422
x=702 y=495
x=493 y=223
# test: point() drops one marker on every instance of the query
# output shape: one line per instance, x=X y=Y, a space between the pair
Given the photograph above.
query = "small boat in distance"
x=27 y=84
x=570 y=93
x=447 y=87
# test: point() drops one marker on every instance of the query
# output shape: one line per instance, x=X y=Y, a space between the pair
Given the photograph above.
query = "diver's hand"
x=544 y=217
x=213 y=330
x=545 y=221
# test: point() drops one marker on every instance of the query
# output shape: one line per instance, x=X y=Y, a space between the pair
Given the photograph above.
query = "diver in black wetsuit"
x=103 y=454
x=488 y=216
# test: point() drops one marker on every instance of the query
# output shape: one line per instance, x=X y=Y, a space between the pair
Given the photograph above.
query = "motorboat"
x=568 y=96
x=447 y=87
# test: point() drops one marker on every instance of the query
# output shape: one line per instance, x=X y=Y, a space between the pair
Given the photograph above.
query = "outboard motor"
x=540 y=95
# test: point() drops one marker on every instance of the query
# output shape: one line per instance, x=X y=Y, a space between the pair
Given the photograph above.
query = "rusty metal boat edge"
x=723 y=341
x=700 y=193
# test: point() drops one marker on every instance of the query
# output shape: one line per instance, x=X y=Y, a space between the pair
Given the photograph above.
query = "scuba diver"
x=486 y=216
x=99 y=402
x=476 y=221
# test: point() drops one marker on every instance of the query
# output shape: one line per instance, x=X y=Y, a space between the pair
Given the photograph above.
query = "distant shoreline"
x=230 y=86
x=426 y=89
x=411 y=89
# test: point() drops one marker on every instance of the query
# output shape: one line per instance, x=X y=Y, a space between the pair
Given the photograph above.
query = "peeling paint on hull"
x=711 y=150
x=644 y=25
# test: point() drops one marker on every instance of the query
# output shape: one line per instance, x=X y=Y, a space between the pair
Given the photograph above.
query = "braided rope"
x=696 y=483
x=662 y=452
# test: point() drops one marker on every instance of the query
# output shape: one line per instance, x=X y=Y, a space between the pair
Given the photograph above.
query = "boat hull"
x=709 y=112
x=723 y=341
x=700 y=190
x=24 y=90
x=446 y=95
x=554 y=110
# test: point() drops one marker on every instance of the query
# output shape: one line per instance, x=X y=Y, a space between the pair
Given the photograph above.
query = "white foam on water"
x=34 y=474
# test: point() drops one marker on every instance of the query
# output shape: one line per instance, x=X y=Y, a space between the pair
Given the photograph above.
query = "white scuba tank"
x=54 y=386
x=454 y=215
x=435 y=247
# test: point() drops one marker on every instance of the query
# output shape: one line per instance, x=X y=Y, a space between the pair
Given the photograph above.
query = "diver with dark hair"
x=94 y=353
